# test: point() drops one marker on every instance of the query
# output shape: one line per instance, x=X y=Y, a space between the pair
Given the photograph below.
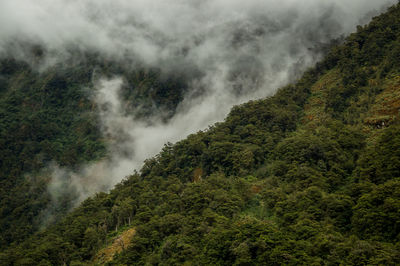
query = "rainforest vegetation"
x=309 y=176
x=48 y=116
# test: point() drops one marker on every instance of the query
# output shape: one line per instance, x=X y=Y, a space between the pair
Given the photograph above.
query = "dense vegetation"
x=307 y=176
x=49 y=116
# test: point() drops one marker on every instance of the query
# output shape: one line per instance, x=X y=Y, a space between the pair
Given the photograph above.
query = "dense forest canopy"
x=310 y=175
x=89 y=90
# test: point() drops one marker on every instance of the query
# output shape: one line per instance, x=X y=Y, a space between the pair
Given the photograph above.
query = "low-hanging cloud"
x=155 y=31
x=243 y=49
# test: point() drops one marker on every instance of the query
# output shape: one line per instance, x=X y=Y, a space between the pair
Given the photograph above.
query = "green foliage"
x=268 y=186
x=48 y=117
x=377 y=214
x=381 y=162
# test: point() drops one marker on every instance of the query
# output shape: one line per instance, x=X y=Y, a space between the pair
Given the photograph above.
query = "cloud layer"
x=244 y=50
x=155 y=31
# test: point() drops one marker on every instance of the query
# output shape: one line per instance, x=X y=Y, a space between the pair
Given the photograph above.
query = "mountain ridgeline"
x=309 y=176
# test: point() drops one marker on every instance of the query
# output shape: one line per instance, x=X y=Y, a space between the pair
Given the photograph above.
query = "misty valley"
x=199 y=132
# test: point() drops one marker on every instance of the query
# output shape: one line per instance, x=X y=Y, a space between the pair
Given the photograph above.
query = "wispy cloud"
x=244 y=50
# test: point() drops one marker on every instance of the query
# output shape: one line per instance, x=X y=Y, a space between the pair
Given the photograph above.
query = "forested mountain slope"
x=49 y=116
x=308 y=176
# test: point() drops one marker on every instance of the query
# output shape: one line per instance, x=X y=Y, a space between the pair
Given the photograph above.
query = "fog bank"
x=244 y=50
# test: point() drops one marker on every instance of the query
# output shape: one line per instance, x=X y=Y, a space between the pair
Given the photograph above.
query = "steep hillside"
x=49 y=116
x=308 y=176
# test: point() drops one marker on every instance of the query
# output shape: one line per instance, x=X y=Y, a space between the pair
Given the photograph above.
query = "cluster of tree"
x=49 y=116
x=266 y=186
